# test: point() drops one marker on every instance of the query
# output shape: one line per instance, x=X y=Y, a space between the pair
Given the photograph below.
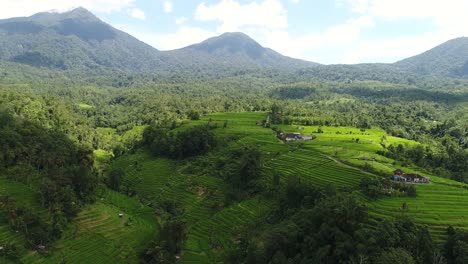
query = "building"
x=399 y=175
x=260 y=122
x=295 y=136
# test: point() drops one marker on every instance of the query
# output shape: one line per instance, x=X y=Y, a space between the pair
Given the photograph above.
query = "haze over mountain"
x=447 y=59
x=79 y=41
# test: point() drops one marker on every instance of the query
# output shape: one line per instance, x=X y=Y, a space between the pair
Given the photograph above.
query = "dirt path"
x=346 y=165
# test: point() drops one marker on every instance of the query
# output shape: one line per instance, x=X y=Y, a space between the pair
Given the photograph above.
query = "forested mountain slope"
x=76 y=40
x=447 y=59
x=236 y=52
x=79 y=41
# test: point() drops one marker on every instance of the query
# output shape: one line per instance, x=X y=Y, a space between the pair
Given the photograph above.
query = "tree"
x=193 y=115
x=244 y=167
x=394 y=255
x=115 y=179
x=411 y=191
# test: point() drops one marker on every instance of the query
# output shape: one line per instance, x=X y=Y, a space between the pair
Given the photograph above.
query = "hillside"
x=79 y=41
x=235 y=52
x=75 y=40
x=447 y=59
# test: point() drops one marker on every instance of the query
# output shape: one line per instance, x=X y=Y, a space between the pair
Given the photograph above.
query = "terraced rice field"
x=99 y=235
x=8 y=236
x=21 y=193
x=213 y=233
x=23 y=196
x=201 y=196
x=211 y=228
x=437 y=206
x=148 y=176
x=314 y=168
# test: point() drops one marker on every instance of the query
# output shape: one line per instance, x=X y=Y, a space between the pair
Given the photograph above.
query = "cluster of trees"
x=375 y=187
x=295 y=91
x=9 y=251
x=314 y=225
x=456 y=246
x=446 y=159
x=168 y=244
x=241 y=169
x=60 y=169
x=37 y=230
x=237 y=164
x=179 y=145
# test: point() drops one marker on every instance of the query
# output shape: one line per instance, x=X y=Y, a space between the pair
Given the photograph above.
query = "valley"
x=225 y=151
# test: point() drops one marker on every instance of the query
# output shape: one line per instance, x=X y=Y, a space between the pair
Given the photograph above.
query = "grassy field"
x=84 y=106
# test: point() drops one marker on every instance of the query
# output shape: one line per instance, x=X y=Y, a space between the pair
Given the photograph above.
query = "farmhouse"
x=295 y=136
x=399 y=175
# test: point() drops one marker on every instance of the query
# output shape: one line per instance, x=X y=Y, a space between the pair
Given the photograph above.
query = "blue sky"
x=325 y=31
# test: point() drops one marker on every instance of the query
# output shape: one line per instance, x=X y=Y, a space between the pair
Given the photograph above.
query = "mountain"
x=448 y=59
x=78 y=40
x=237 y=51
x=74 y=40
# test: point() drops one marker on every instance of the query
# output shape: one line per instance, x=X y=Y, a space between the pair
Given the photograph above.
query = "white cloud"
x=295 y=1
x=137 y=13
x=167 y=6
x=267 y=22
x=390 y=50
x=448 y=17
x=181 y=20
x=393 y=9
x=183 y=37
x=320 y=46
x=348 y=32
x=233 y=16
x=15 y=8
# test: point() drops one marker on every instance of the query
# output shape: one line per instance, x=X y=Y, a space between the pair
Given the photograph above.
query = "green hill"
x=447 y=59
x=75 y=40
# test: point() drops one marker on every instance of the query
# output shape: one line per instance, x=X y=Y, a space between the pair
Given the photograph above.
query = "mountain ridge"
x=449 y=59
x=78 y=40
x=86 y=42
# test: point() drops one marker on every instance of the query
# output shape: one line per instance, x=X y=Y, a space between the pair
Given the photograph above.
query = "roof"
x=414 y=176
